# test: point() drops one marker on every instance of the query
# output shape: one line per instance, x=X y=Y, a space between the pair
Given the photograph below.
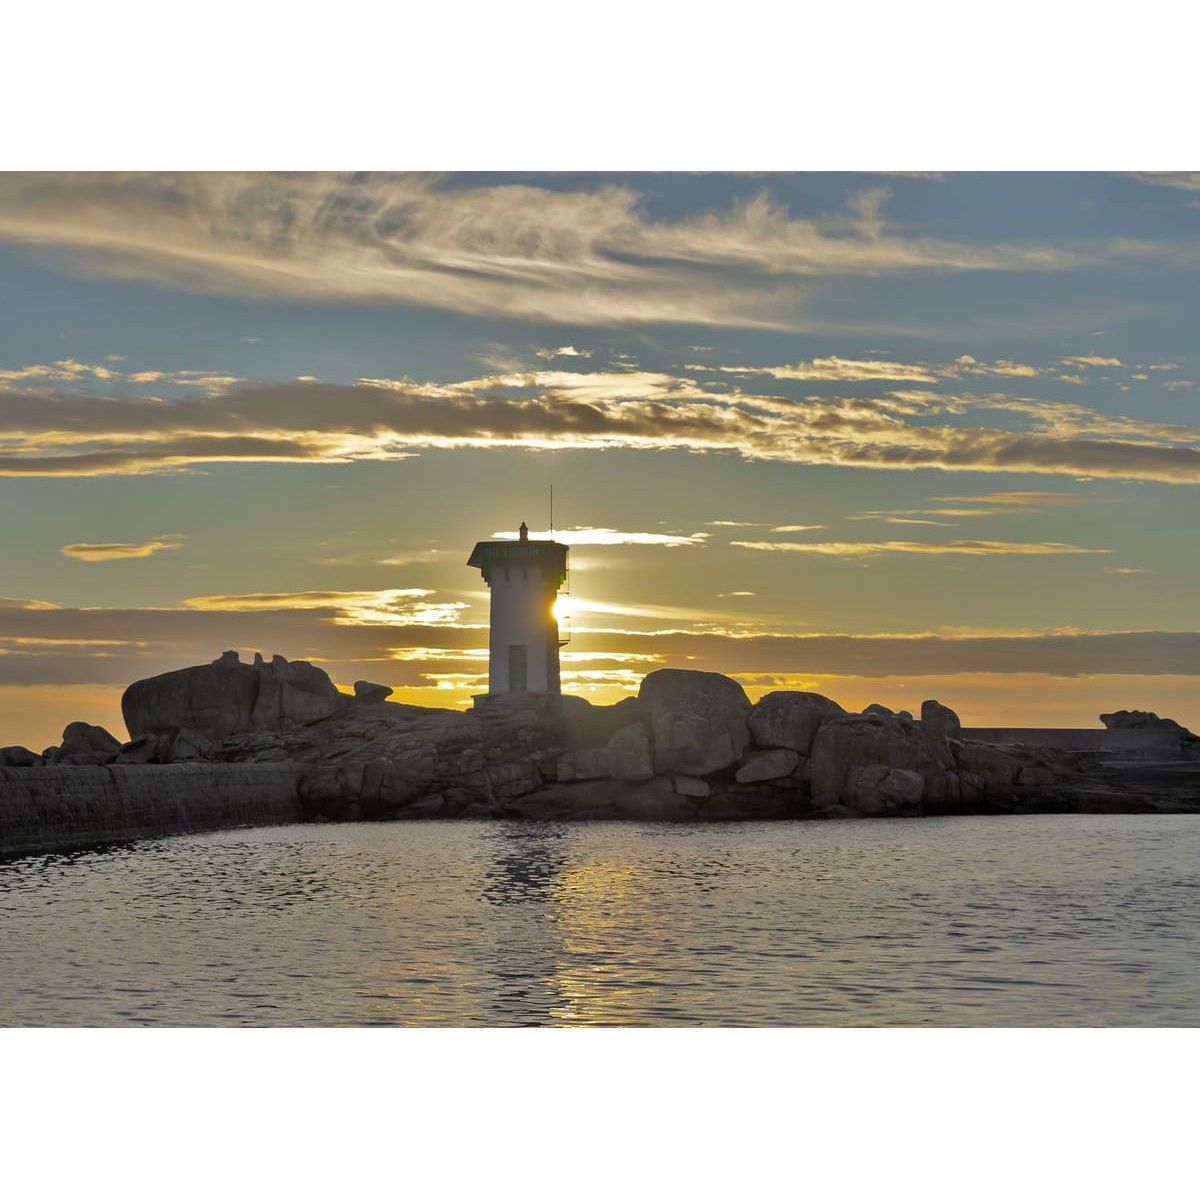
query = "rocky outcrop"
x=370 y=693
x=699 y=721
x=689 y=747
x=844 y=745
x=790 y=720
x=229 y=697
x=1137 y=719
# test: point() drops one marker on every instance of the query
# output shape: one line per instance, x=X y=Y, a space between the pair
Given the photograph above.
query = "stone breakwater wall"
x=49 y=809
x=1129 y=743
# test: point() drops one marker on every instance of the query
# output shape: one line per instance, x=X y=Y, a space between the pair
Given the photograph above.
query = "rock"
x=18 y=756
x=789 y=720
x=985 y=772
x=188 y=747
x=293 y=694
x=371 y=693
x=685 y=785
x=214 y=700
x=81 y=738
x=939 y=720
x=149 y=748
x=876 y=790
x=698 y=720
x=628 y=754
x=877 y=710
x=844 y=745
x=761 y=765
x=228 y=697
x=1035 y=777
x=1137 y=719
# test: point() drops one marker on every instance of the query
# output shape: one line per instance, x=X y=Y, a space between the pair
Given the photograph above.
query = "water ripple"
x=992 y=921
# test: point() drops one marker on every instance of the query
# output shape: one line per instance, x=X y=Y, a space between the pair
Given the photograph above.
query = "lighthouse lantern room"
x=524 y=577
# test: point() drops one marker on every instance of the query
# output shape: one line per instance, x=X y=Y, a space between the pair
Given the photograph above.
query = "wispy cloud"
x=856 y=549
x=837 y=369
x=108 y=551
x=1091 y=360
x=586 y=255
x=1032 y=499
x=395 y=606
x=53 y=432
x=610 y=537
x=39 y=644
x=564 y=352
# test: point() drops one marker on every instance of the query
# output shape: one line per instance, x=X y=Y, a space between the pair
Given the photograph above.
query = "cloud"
x=855 y=549
x=1188 y=181
x=395 y=606
x=15 y=604
x=1126 y=571
x=572 y=256
x=1091 y=360
x=837 y=369
x=609 y=537
x=1034 y=499
x=107 y=551
x=64 y=370
x=795 y=528
x=40 y=645
x=564 y=352
x=51 y=432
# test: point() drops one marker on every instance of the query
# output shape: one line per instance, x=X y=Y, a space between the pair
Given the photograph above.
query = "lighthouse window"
x=518 y=668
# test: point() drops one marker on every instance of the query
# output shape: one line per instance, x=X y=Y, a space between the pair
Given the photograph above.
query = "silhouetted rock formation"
x=228 y=697
x=689 y=746
x=1125 y=719
x=370 y=693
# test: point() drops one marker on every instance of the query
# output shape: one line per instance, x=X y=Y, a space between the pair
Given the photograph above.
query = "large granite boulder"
x=790 y=720
x=698 y=720
x=879 y=790
x=291 y=694
x=371 y=693
x=760 y=766
x=628 y=754
x=19 y=756
x=844 y=745
x=229 y=697
x=80 y=738
x=939 y=720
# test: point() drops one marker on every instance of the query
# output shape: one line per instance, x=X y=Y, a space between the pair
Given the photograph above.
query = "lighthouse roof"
x=547 y=555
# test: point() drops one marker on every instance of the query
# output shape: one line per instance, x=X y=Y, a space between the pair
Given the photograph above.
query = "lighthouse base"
x=538 y=704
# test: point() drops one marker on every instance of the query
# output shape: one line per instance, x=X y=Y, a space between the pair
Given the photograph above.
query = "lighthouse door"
x=518 y=669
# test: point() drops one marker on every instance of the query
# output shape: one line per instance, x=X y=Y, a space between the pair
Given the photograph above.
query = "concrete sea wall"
x=1130 y=743
x=49 y=809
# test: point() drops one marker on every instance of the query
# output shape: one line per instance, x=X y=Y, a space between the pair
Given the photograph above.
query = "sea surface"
x=990 y=921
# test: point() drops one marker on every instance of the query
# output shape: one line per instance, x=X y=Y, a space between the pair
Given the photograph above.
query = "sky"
x=887 y=436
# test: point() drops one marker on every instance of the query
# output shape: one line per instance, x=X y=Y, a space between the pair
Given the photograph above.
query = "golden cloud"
x=108 y=551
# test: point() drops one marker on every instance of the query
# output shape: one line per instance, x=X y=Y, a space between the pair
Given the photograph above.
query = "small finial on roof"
x=524 y=532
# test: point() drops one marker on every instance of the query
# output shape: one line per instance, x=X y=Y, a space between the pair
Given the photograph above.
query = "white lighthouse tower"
x=524 y=577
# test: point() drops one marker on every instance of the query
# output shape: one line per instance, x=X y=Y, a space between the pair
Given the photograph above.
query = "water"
x=1072 y=920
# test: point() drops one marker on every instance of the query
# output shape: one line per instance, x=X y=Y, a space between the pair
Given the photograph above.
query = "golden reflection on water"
x=598 y=909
